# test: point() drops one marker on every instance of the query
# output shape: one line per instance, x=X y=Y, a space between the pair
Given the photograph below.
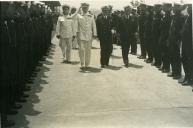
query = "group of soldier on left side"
x=160 y=29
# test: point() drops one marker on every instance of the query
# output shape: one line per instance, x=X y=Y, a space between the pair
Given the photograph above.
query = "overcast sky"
x=117 y=4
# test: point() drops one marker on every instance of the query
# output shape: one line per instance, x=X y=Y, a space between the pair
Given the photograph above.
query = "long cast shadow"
x=91 y=70
x=135 y=65
x=37 y=86
x=116 y=57
x=111 y=67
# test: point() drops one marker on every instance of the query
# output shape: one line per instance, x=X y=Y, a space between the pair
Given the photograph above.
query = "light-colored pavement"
x=136 y=97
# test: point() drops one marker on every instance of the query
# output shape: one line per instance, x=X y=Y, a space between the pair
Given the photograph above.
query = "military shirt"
x=65 y=27
x=86 y=26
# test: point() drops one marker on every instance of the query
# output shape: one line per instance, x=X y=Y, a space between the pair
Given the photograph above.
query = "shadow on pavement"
x=135 y=65
x=91 y=70
x=116 y=57
x=111 y=67
x=37 y=85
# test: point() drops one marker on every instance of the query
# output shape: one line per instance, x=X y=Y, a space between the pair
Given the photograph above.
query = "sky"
x=117 y=4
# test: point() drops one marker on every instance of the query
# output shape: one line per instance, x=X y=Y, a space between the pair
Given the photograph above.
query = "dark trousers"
x=133 y=44
x=175 y=59
x=156 y=50
x=165 y=56
x=142 y=45
x=125 y=51
x=148 y=46
x=106 y=50
x=187 y=60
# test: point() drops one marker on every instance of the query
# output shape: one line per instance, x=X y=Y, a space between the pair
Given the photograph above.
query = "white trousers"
x=66 y=47
x=85 y=52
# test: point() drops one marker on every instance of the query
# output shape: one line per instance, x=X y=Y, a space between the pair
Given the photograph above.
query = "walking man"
x=65 y=32
x=86 y=32
x=104 y=27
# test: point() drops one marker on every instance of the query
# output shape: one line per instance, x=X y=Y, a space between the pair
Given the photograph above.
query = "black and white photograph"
x=96 y=64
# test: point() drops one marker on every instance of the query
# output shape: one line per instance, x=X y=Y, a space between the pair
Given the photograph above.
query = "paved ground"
x=118 y=97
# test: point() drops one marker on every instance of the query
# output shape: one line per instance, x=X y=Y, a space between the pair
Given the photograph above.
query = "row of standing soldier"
x=25 y=39
x=165 y=35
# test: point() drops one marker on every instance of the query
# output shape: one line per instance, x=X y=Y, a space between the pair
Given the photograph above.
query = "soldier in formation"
x=25 y=38
x=167 y=33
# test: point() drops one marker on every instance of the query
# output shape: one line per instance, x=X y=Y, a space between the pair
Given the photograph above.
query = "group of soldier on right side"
x=165 y=35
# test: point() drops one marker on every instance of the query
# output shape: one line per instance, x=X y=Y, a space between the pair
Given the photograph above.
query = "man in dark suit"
x=148 y=34
x=133 y=31
x=187 y=48
x=104 y=32
x=156 y=34
x=175 y=41
x=164 y=34
x=141 y=21
x=125 y=31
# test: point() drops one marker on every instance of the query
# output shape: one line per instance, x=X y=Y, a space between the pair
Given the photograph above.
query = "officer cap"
x=110 y=7
x=128 y=6
x=143 y=4
x=65 y=6
x=178 y=4
x=168 y=4
x=149 y=4
x=84 y=4
x=158 y=4
x=104 y=8
x=134 y=8
x=73 y=7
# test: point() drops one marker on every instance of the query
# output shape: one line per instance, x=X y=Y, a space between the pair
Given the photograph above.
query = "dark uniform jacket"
x=148 y=27
x=104 y=26
x=141 y=22
x=176 y=28
x=187 y=43
x=129 y=26
x=165 y=27
x=156 y=26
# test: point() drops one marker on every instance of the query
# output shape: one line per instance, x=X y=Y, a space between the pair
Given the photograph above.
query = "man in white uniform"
x=74 y=17
x=65 y=30
x=86 y=32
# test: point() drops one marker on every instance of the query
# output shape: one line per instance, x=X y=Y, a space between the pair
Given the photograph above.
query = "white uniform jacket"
x=86 y=26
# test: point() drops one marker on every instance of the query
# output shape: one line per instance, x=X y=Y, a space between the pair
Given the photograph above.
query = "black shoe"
x=126 y=65
x=102 y=66
x=182 y=81
x=8 y=123
x=133 y=53
x=148 y=60
x=158 y=66
x=82 y=68
x=153 y=64
x=68 y=62
x=170 y=74
x=165 y=70
x=141 y=57
x=161 y=69
x=187 y=83
x=176 y=77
